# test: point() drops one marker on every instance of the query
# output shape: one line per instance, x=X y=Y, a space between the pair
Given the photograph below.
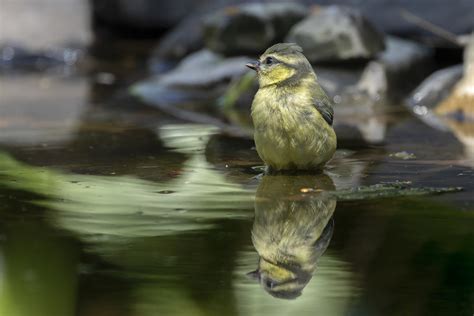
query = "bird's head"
x=282 y=63
x=281 y=281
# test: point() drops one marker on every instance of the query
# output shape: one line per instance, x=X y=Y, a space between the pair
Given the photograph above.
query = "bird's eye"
x=270 y=284
x=269 y=60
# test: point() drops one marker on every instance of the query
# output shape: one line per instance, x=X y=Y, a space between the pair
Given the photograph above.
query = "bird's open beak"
x=254 y=65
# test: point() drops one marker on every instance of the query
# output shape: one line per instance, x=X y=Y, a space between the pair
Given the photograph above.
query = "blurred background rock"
x=50 y=22
x=44 y=24
x=184 y=57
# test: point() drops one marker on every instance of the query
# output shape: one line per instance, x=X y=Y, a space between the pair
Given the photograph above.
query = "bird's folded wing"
x=324 y=106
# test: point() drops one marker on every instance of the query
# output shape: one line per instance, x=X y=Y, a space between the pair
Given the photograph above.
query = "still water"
x=123 y=210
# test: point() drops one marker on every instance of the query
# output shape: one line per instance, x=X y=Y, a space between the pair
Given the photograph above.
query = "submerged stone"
x=389 y=190
x=336 y=33
x=404 y=155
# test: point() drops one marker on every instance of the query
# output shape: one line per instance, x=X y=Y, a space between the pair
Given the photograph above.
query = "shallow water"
x=123 y=210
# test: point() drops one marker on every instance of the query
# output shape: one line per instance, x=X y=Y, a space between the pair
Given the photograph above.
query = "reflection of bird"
x=292 y=229
x=292 y=115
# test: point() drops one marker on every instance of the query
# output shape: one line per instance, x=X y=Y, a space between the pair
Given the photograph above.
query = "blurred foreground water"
x=113 y=211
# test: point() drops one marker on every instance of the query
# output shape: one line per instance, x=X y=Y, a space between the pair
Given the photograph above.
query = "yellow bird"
x=291 y=230
x=292 y=114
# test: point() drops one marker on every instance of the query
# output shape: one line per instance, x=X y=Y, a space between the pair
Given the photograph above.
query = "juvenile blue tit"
x=292 y=115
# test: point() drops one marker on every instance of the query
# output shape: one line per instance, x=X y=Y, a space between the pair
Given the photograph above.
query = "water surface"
x=113 y=209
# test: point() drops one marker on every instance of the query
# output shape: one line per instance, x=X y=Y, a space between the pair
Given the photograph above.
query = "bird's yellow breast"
x=290 y=133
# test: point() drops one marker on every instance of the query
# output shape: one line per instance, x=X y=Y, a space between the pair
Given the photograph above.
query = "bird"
x=292 y=114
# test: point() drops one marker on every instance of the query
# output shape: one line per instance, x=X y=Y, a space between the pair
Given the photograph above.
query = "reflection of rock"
x=18 y=58
x=336 y=33
x=250 y=28
x=40 y=109
x=464 y=132
x=200 y=77
x=292 y=229
x=360 y=122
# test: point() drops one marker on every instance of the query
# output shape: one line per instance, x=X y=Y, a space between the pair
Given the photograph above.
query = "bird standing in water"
x=292 y=114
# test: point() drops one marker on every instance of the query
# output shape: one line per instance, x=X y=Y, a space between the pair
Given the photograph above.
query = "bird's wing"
x=324 y=105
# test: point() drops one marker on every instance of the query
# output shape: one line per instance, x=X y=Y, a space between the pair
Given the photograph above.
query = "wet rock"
x=431 y=91
x=250 y=28
x=460 y=103
x=336 y=33
x=201 y=77
x=434 y=88
x=397 y=70
x=445 y=101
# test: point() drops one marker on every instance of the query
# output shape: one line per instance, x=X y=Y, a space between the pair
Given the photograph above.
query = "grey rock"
x=403 y=53
x=397 y=70
x=336 y=33
x=200 y=77
x=250 y=28
x=388 y=16
x=374 y=81
x=436 y=87
x=335 y=80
